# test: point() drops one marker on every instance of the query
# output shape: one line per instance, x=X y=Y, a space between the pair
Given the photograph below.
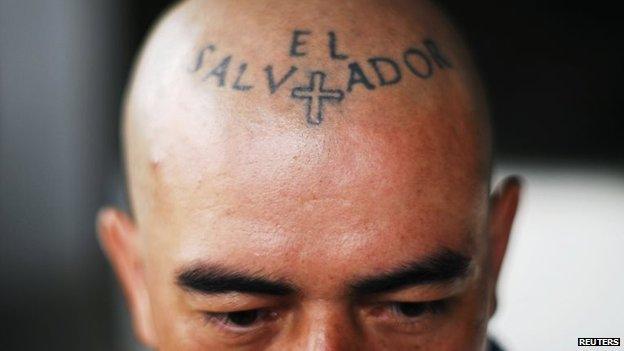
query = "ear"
x=503 y=205
x=121 y=243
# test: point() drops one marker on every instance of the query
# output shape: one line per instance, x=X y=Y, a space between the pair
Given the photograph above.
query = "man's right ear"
x=120 y=241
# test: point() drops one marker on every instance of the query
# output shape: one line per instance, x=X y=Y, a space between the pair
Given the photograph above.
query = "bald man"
x=308 y=175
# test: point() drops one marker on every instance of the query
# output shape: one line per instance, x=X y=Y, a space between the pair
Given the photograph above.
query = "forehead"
x=345 y=194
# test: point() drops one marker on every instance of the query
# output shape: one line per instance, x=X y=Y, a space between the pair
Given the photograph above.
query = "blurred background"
x=554 y=70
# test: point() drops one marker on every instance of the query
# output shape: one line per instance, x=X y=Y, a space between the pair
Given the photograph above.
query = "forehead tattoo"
x=418 y=61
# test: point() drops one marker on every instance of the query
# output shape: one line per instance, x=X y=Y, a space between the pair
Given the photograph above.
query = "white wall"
x=563 y=277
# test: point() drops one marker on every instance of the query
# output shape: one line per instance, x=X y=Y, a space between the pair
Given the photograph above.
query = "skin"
x=240 y=180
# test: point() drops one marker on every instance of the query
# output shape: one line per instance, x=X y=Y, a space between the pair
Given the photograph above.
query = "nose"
x=332 y=329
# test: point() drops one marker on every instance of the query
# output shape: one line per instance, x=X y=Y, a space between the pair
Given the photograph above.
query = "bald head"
x=276 y=90
x=303 y=149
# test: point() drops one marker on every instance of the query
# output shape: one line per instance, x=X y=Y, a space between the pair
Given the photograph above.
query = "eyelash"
x=422 y=308
x=223 y=320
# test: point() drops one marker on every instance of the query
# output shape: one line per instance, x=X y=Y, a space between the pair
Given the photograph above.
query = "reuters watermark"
x=599 y=342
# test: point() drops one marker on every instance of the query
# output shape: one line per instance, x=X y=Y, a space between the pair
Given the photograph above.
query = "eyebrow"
x=212 y=279
x=215 y=279
x=443 y=267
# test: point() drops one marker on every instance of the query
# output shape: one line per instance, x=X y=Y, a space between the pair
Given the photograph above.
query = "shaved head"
x=212 y=96
x=272 y=144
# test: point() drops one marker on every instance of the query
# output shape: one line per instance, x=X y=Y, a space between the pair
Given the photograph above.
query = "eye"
x=411 y=317
x=240 y=321
x=413 y=310
x=410 y=310
x=243 y=318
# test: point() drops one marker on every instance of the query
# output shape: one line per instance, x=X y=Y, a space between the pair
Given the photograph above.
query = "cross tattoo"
x=315 y=96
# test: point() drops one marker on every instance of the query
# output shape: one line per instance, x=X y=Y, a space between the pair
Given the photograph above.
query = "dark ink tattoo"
x=421 y=61
x=439 y=59
x=237 y=84
x=384 y=79
x=200 y=58
x=220 y=71
x=297 y=42
x=333 y=51
x=422 y=74
x=273 y=86
x=357 y=76
x=315 y=96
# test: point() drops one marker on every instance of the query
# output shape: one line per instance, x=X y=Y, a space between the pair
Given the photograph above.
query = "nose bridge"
x=332 y=327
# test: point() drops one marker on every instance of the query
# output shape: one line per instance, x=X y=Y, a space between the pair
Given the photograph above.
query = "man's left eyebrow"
x=444 y=266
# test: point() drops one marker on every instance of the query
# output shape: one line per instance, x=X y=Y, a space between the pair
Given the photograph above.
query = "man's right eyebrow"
x=216 y=279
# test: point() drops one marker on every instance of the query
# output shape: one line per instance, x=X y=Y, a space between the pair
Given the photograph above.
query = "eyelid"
x=386 y=317
x=219 y=320
x=422 y=293
x=235 y=302
x=432 y=307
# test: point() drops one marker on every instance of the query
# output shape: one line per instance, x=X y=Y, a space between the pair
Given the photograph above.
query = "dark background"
x=553 y=68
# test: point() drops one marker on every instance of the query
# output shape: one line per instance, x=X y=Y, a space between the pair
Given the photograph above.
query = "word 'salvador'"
x=418 y=61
